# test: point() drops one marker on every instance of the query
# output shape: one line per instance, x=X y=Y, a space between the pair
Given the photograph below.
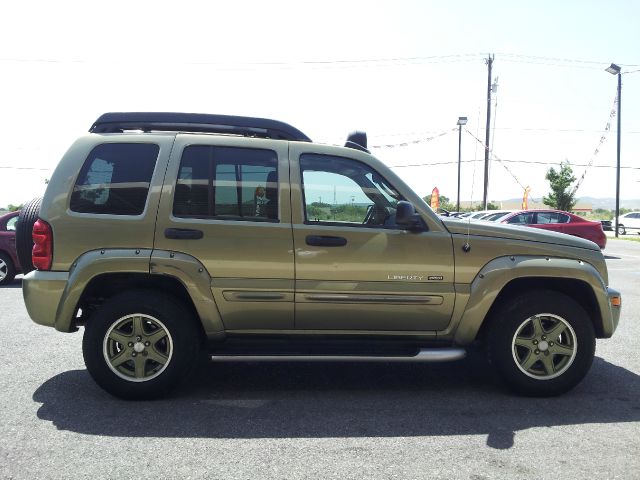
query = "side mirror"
x=407 y=217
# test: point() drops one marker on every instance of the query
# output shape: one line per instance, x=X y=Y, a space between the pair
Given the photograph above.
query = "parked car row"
x=558 y=221
x=554 y=220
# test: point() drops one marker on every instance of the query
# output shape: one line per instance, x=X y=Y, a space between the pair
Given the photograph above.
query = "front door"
x=230 y=209
x=356 y=270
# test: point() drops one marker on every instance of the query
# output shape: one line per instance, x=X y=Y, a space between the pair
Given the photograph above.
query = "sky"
x=403 y=71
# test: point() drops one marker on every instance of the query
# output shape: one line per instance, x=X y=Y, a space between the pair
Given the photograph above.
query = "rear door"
x=226 y=203
x=355 y=268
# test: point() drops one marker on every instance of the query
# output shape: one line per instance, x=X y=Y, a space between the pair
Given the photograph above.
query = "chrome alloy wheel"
x=138 y=347
x=544 y=346
x=4 y=269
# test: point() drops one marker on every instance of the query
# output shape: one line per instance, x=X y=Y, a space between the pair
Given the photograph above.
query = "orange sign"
x=435 y=199
x=525 y=198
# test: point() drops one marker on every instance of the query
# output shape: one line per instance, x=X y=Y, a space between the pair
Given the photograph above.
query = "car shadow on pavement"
x=322 y=400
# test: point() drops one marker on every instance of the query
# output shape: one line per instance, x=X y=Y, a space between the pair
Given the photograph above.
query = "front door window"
x=346 y=192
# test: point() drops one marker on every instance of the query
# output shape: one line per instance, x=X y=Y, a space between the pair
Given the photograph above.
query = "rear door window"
x=547 y=217
x=115 y=179
x=522 y=219
x=227 y=183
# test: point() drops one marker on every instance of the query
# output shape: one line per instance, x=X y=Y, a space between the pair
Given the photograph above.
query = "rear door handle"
x=325 y=241
x=183 y=233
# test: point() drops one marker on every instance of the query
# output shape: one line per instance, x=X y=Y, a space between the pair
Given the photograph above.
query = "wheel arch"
x=104 y=286
x=578 y=290
x=100 y=274
x=504 y=277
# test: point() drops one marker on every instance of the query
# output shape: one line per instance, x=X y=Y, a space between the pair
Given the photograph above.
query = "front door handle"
x=183 y=233
x=325 y=241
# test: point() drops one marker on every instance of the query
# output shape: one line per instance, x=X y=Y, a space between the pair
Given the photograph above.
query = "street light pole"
x=461 y=121
x=616 y=70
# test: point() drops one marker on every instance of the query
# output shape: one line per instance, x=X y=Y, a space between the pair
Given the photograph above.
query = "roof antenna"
x=467 y=245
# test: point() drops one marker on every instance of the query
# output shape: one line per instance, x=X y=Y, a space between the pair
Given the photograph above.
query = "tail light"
x=42 y=253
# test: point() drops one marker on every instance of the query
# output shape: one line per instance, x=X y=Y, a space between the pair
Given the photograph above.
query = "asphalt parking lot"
x=325 y=421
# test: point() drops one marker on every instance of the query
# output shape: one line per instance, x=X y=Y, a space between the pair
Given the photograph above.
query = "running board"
x=424 y=355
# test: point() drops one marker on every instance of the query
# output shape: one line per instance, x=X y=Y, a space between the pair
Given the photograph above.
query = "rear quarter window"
x=115 y=179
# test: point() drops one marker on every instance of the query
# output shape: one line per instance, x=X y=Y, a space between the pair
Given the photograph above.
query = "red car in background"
x=9 y=263
x=559 y=221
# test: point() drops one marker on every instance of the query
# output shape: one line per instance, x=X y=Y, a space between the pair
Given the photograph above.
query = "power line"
x=415 y=60
x=414 y=142
x=563 y=60
x=358 y=61
x=528 y=162
x=9 y=167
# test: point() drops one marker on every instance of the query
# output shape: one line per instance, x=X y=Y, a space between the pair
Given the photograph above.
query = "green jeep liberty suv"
x=167 y=235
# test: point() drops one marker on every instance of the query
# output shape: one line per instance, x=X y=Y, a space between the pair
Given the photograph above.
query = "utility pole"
x=489 y=62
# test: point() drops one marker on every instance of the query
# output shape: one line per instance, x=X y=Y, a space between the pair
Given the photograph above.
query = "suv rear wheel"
x=141 y=344
x=541 y=343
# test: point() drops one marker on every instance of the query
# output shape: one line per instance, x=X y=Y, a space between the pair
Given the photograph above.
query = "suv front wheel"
x=541 y=343
x=140 y=344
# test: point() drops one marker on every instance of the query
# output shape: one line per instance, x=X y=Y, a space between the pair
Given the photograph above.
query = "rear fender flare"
x=184 y=268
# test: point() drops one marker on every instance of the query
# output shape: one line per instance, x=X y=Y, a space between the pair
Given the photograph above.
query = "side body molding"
x=497 y=274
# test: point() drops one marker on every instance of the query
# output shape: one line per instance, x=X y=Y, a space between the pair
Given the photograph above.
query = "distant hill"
x=610 y=203
x=583 y=202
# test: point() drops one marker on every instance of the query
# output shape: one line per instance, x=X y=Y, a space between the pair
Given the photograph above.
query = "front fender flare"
x=499 y=272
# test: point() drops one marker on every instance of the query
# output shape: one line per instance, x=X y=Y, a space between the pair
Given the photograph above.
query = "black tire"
x=559 y=362
x=621 y=230
x=7 y=269
x=24 y=229
x=180 y=347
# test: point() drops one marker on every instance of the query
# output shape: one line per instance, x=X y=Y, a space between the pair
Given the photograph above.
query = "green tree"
x=445 y=203
x=490 y=206
x=561 y=197
x=14 y=208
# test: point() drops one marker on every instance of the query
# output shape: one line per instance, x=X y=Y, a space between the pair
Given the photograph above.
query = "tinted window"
x=235 y=183
x=340 y=190
x=115 y=179
x=11 y=224
x=522 y=219
x=547 y=217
